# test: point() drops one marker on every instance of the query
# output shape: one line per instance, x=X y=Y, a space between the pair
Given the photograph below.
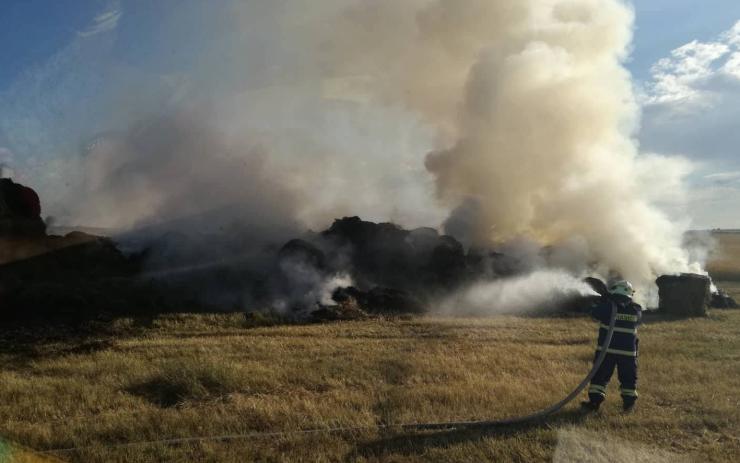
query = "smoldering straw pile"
x=506 y=123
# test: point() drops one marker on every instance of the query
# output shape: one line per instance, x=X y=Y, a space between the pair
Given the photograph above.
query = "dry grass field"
x=204 y=375
x=724 y=263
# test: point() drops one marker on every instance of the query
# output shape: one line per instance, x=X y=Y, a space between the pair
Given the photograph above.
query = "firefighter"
x=622 y=351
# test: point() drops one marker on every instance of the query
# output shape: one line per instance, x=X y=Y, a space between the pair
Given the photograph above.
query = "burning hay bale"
x=686 y=295
x=384 y=254
x=354 y=304
x=380 y=300
x=346 y=310
x=375 y=267
x=722 y=300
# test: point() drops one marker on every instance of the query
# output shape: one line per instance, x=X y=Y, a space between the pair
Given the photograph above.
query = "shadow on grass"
x=21 y=344
x=161 y=392
x=183 y=381
x=410 y=443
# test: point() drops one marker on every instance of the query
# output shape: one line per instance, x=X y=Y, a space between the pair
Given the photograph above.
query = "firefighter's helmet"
x=622 y=287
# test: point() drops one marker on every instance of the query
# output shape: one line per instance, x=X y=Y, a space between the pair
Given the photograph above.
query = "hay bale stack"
x=684 y=295
x=20 y=211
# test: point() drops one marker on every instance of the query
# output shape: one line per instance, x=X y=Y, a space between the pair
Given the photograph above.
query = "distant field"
x=184 y=376
x=724 y=263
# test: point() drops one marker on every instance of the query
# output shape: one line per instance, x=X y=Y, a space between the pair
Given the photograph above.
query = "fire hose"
x=538 y=414
x=545 y=412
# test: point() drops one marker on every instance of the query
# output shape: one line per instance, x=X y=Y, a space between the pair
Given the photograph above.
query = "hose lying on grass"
x=406 y=427
x=539 y=414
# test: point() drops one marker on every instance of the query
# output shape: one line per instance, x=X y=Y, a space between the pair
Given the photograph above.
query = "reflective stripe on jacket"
x=629 y=314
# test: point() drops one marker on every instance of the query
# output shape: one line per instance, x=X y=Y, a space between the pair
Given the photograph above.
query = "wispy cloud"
x=690 y=106
x=106 y=21
x=724 y=177
x=692 y=73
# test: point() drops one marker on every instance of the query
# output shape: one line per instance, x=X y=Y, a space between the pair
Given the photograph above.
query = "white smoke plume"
x=515 y=119
x=306 y=287
x=535 y=292
x=176 y=168
x=535 y=115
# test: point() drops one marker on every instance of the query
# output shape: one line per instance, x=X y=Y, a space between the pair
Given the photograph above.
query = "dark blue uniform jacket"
x=629 y=315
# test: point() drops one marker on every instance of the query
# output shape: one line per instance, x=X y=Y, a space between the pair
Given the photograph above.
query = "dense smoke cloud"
x=536 y=116
x=177 y=168
x=506 y=121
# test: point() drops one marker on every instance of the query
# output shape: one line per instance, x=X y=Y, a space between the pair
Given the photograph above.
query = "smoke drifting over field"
x=538 y=291
x=499 y=121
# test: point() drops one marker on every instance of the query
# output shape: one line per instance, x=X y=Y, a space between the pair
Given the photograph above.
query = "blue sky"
x=61 y=58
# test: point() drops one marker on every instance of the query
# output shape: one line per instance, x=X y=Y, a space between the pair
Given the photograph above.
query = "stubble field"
x=199 y=376
x=211 y=388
